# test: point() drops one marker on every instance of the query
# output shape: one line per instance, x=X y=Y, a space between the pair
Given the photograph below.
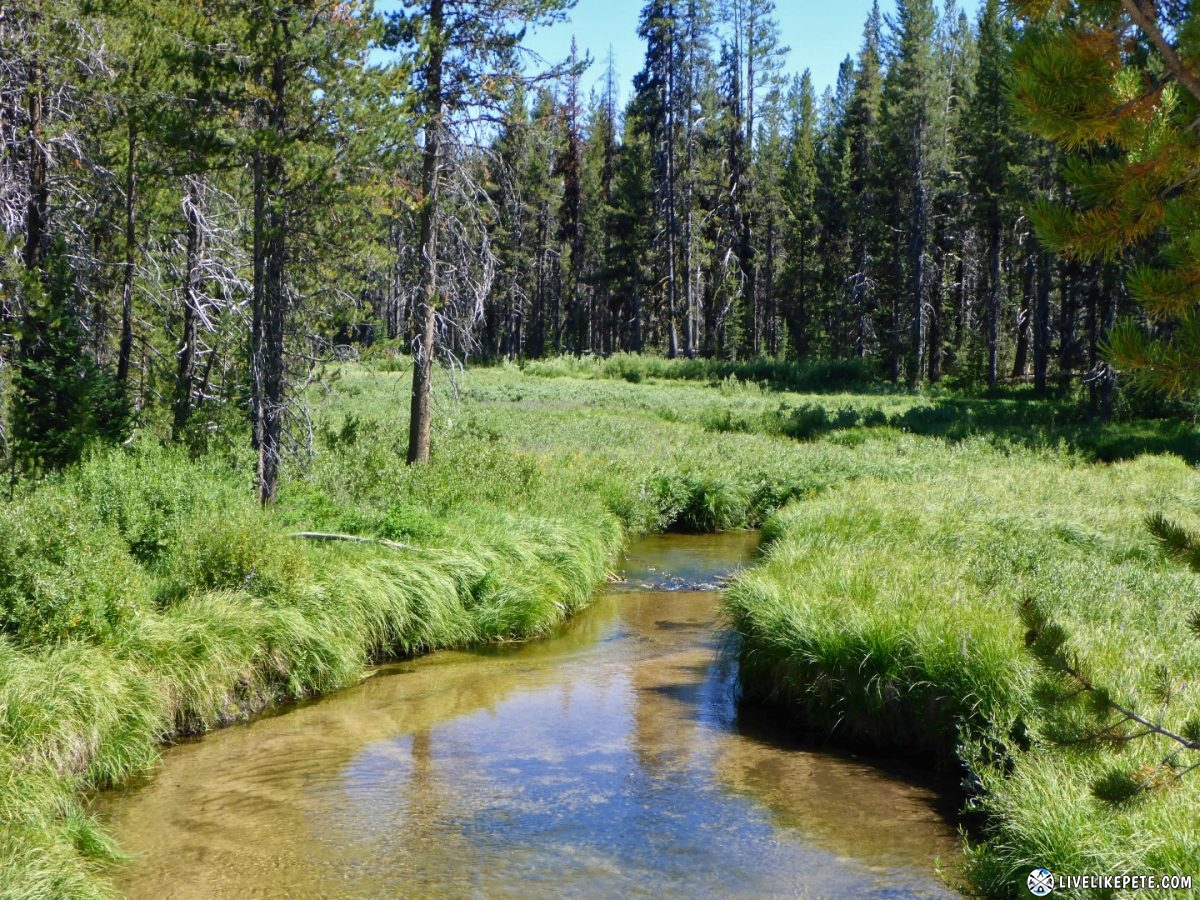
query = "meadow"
x=144 y=595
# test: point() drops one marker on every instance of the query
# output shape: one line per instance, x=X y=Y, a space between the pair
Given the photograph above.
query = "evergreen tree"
x=62 y=399
x=1115 y=85
x=991 y=148
x=800 y=224
x=834 y=206
x=466 y=56
x=868 y=185
x=912 y=95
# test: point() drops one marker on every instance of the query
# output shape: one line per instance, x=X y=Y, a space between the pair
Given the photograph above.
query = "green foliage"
x=62 y=401
x=64 y=573
x=1100 y=84
x=149 y=596
x=239 y=550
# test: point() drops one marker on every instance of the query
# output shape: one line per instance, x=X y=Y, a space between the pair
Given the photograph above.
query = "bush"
x=64 y=573
x=242 y=550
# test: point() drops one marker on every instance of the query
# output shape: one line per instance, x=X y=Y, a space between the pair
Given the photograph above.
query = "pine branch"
x=1046 y=640
x=1144 y=13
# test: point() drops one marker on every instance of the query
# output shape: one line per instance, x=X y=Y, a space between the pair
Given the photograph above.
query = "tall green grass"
x=885 y=615
x=143 y=595
x=780 y=375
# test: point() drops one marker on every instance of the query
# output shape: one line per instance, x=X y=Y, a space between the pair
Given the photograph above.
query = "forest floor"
x=144 y=595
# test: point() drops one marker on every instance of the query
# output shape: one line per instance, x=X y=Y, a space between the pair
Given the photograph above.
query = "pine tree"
x=656 y=115
x=599 y=177
x=991 y=149
x=845 y=329
x=801 y=223
x=1115 y=85
x=911 y=104
x=753 y=62
x=466 y=56
x=867 y=185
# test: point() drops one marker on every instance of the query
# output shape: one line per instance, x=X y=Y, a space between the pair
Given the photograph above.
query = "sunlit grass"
x=144 y=595
x=885 y=615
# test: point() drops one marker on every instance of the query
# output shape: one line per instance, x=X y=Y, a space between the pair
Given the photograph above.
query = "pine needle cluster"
x=1113 y=83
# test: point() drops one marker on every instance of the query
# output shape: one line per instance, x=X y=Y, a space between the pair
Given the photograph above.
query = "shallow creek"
x=606 y=761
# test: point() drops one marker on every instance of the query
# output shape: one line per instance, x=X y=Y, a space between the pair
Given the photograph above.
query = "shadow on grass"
x=1042 y=424
x=1003 y=421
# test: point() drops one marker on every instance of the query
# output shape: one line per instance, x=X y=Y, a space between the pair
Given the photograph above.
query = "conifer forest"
x=533 y=422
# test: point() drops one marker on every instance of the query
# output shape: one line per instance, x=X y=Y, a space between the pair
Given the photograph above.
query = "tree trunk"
x=916 y=250
x=1041 y=323
x=993 y=303
x=1024 y=321
x=270 y=312
x=799 y=321
x=420 y=416
x=126 y=345
x=1111 y=287
x=1070 y=274
x=936 y=306
x=669 y=198
x=185 y=372
x=37 y=205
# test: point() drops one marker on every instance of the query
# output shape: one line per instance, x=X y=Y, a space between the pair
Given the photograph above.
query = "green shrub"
x=238 y=550
x=64 y=573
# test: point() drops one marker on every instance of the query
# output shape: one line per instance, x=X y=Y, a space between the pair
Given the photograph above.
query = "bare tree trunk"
x=1111 y=286
x=1070 y=275
x=1024 y=321
x=421 y=413
x=916 y=250
x=1041 y=322
x=126 y=345
x=38 y=203
x=270 y=252
x=993 y=303
x=672 y=220
x=185 y=372
x=769 y=290
x=936 y=337
x=749 y=268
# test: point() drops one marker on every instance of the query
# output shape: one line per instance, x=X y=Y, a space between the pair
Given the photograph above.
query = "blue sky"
x=819 y=32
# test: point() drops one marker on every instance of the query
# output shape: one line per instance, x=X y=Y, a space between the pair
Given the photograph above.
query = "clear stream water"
x=607 y=761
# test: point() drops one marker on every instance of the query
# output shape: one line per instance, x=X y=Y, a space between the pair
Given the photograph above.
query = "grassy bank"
x=885 y=614
x=144 y=595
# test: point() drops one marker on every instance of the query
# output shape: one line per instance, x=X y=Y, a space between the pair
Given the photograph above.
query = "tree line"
x=203 y=201
x=728 y=210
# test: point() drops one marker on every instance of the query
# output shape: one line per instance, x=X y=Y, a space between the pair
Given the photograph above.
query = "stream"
x=609 y=760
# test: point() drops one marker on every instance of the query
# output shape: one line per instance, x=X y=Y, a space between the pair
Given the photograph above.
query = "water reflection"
x=605 y=762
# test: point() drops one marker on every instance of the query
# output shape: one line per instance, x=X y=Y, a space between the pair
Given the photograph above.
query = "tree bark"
x=1041 y=323
x=916 y=250
x=421 y=413
x=185 y=371
x=935 y=337
x=270 y=284
x=993 y=303
x=1025 y=320
x=37 y=205
x=125 y=349
x=672 y=222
